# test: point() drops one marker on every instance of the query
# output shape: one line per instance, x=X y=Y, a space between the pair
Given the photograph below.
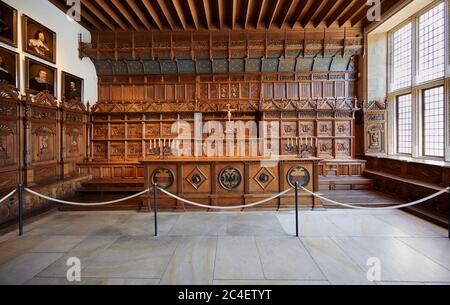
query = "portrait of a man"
x=40 y=77
x=39 y=40
x=39 y=44
x=8 y=24
x=9 y=66
x=72 y=87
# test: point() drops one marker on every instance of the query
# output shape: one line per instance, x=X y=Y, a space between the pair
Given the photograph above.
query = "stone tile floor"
x=228 y=248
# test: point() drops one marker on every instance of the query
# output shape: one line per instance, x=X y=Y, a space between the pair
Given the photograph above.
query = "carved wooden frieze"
x=100 y=131
x=117 y=151
x=44 y=143
x=325 y=148
x=8 y=142
x=100 y=150
x=343 y=148
x=306 y=128
x=343 y=128
x=134 y=131
x=134 y=149
x=117 y=131
x=289 y=129
x=325 y=128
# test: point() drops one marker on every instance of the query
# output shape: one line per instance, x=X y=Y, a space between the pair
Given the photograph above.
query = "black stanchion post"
x=20 y=193
x=149 y=195
x=155 y=206
x=296 y=209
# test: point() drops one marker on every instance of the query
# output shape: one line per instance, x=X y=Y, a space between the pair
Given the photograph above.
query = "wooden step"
x=345 y=183
x=366 y=198
x=134 y=204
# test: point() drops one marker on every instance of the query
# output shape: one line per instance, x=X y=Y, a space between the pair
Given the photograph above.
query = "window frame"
x=422 y=97
x=417 y=88
x=397 y=125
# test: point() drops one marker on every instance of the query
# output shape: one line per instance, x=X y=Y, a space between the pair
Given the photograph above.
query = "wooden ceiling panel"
x=148 y=15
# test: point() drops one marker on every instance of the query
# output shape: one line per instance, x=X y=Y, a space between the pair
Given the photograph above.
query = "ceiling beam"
x=272 y=12
x=285 y=10
x=113 y=14
x=328 y=7
x=359 y=16
x=207 y=9
x=140 y=14
x=179 y=11
x=98 y=14
x=343 y=6
x=167 y=14
x=248 y=13
x=297 y=12
x=220 y=13
x=194 y=13
x=153 y=14
x=126 y=14
x=261 y=11
x=233 y=13
x=352 y=11
x=64 y=9
x=310 y=13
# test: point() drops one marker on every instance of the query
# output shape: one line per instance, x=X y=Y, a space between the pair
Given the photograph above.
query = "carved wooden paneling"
x=375 y=127
x=9 y=137
x=43 y=137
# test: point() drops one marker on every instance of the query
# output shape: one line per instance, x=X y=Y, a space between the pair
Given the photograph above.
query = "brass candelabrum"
x=161 y=147
x=303 y=147
x=306 y=150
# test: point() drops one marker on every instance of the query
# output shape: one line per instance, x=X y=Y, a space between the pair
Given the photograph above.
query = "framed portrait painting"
x=39 y=77
x=38 y=40
x=9 y=67
x=8 y=24
x=72 y=87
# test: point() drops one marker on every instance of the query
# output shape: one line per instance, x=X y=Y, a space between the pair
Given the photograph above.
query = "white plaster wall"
x=377 y=66
x=67 y=35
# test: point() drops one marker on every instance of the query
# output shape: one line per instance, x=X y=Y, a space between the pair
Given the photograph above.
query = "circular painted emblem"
x=298 y=174
x=196 y=179
x=163 y=177
x=230 y=178
x=263 y=178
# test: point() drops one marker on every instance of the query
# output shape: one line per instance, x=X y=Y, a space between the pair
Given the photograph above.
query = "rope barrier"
x=401 y=206
x=227 y=207
x=85 y=204
x=7 y=196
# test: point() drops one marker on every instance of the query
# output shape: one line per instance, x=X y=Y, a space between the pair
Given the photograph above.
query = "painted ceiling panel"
x=151 y=67
x=322 y=64
x=186 y=66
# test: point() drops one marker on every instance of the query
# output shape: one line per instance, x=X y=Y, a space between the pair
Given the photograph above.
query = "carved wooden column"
x=375 y=127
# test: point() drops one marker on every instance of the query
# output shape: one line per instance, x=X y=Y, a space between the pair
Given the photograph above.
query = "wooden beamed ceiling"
x=146 y=15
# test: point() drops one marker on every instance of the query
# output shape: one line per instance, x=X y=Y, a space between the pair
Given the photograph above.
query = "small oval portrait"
x=298 y=174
